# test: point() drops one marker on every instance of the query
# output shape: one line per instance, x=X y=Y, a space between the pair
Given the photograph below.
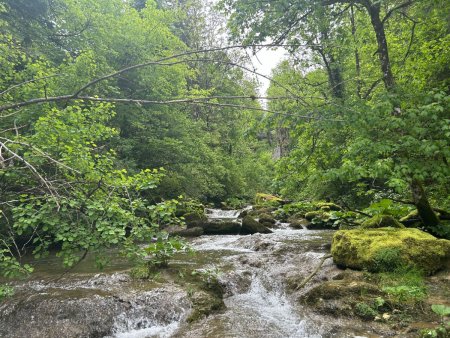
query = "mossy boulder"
x=251 y=226
x=328 y=206
x=319 y=220
x=194 y=219
x=300 y=224
x=381 y=221
x=266 y=218
x=189 y=232
x=203 y=304
x=384 y=248
x=267 y=199
x=313 y=214
x=221 y=228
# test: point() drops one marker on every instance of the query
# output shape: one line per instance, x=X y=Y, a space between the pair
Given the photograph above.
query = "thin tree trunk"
x=357 y=60
x=383 y=52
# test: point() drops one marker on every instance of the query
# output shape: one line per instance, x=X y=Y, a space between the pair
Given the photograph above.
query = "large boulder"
x=381 y=221
x=266 y=218
x=386 y=249
x=221 y=228
x=251 y=226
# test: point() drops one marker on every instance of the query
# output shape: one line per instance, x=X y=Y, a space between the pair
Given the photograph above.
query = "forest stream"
x=253 y=271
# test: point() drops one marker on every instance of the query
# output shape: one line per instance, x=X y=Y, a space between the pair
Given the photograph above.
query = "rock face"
x=385 y=249
x=89 y=312
x=251 y=226
x=381 y=221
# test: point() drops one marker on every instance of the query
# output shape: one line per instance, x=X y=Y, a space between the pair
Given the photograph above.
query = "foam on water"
x=159 y=331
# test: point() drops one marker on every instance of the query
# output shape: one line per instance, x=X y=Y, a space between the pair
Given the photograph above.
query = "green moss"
x=266 y=218
x=140 y=272
x=381 y=221
x=365 y=311
x=362 y=249
x=313 y=214
x=327 y=206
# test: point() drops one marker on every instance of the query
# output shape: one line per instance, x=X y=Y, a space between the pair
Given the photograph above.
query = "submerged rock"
x=251 y=226
x=385 y=249
x=381 y=221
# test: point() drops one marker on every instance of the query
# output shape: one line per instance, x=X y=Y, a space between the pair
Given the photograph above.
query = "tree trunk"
x=383 y=54
x=426 y=213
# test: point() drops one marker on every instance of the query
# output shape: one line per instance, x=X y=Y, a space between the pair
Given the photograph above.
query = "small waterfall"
x=218 y=214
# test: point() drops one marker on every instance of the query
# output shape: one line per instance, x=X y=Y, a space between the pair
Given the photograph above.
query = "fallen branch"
x=316 y=270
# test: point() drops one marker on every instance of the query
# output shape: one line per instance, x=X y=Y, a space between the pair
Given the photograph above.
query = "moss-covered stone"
x=194 y=219
x=313 y=214
x=203 y=304
x=328 y=206
x=251 y=226
x=189 y=232
x=381 y=221
x=300 y=224
x=266 y=218
x=221 y=228
x=362 y=249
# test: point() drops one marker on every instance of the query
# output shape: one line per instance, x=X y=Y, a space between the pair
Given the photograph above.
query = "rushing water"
x=253 y=268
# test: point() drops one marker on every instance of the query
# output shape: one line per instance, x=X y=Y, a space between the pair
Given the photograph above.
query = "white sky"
x=264 y=61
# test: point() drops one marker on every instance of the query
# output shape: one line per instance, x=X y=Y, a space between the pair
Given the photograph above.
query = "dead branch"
x=316 y=270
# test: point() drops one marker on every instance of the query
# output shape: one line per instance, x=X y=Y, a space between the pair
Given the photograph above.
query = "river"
x=254 y=271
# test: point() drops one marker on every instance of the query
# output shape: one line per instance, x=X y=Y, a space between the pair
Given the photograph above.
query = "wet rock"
x=387 y=248
x=300 y=224
x=266 y=218
x=189 y=232
x=251 y=226
x=340 y=297
x=203 y=304
x=381 y=221
x=86 y=315
x=221 y=228
x=243 y=214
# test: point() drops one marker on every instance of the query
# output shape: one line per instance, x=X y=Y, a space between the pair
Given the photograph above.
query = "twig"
x=316 y=270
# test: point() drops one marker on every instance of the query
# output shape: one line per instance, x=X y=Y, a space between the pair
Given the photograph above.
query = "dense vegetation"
x=110 y=110
x=104 y=121
x=372 y=76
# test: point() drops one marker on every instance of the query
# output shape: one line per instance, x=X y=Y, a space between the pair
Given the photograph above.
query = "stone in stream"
x=221 y=228
x=251 y=226
x=188 y=232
